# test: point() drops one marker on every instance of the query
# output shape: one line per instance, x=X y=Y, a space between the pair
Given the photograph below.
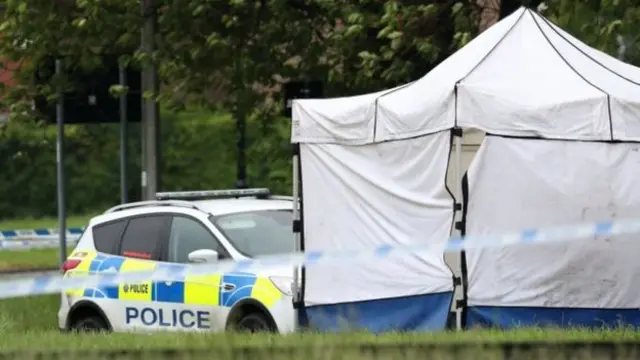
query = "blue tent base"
x=413 y=313
x=518 y=317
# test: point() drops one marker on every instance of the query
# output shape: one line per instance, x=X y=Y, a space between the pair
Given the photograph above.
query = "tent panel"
x=621 y=68
x=366 y=196
x=423 y=313
x=626 y=119
x=509 y=317
x=516 y=184
x=624 y=93
x=522 y=77
x=346 y=120
x=429 y=103
x=524 y=88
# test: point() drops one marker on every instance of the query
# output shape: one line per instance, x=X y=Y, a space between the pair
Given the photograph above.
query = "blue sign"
x=169 y=318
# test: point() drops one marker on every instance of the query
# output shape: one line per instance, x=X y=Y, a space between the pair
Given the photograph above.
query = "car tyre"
x=90 y=324
x=254 y=322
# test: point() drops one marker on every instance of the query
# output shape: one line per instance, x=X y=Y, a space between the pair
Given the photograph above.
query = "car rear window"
x=106 y=237
x=143 y=237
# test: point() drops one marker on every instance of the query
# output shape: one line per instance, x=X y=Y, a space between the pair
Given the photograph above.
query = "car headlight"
x=283 y=283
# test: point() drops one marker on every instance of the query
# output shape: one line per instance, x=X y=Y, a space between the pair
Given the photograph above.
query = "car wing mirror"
x=203 y=256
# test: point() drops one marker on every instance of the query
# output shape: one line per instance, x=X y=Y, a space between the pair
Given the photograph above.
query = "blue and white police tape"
x=37 y=233
x=48 y=284
x=24 y=245
x=35 y=238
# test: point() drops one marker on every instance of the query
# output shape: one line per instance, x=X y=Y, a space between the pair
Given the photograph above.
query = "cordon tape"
x=49 y=284
x=37 y=233
x=36 y=238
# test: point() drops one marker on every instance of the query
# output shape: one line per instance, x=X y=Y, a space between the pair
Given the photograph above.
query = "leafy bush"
x=198 y=151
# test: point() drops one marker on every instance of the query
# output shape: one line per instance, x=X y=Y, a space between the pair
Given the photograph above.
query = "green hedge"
x=198 y=151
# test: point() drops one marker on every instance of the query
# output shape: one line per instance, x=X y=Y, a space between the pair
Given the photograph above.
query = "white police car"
x=211 y=225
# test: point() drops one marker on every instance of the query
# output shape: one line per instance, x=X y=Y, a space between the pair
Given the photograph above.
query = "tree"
x=34 y=29
x=607 y=25
x=377 y=44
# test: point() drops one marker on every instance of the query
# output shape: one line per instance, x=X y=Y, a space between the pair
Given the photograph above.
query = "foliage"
x=198 y=153
x=74 y=221
x=603 y=24
x=231 y=53
x=230 y=56
x=372 y=44
x=213 y=54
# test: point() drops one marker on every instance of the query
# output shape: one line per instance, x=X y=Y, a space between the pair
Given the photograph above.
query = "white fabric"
x=429 y=104
x=524 y=88
x=521 y=77
x=620 y=80
x=517 y=184
x=360 y=197
x=346 y=120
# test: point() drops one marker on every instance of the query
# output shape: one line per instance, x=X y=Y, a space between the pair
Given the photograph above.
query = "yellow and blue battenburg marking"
x=224 y=290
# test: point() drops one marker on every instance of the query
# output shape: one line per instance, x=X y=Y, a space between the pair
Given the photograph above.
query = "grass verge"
x=34 y=259
x=45 y=223
x=36 y=314
x=33 y=320
x=11 y=340
x=28 y=325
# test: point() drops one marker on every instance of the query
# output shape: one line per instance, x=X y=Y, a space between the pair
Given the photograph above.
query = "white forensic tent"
x=372 y=168
x=516 y=184
x=358 y=194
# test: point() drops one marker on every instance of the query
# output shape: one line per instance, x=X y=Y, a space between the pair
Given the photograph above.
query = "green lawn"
x=29 y=325
x=464 y=345
x=46 y=223
x=30 y=320
x=35 y=313
x=37 y=258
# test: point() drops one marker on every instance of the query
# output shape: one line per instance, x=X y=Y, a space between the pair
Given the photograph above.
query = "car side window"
x=188 y=235
x=106 y=237
x=144 y=236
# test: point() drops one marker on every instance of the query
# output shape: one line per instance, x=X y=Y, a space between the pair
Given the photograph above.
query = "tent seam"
x=563 y=139
x=358 y=143
x=443 y=292
x=485 y=57
x=576 y=71
x=587 y=55
x=375 y=105
x=464 y=201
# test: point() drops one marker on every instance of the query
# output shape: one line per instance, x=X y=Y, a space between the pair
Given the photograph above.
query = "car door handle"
x=228 y=287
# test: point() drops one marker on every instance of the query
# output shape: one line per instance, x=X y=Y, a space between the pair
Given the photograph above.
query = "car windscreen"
x=258 y=233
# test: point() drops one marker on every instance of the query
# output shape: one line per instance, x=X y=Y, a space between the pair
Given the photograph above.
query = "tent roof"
x=523 y=76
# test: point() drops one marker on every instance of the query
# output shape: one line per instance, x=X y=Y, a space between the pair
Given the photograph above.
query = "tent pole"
x=296 y=220
x=458 y=179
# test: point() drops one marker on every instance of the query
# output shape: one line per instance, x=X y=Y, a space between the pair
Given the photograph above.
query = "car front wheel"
x=90 y=324
x=254 y=322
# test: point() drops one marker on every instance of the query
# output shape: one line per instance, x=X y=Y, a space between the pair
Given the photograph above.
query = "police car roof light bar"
x=214 y=194
x=152 y=203
x=281 y=197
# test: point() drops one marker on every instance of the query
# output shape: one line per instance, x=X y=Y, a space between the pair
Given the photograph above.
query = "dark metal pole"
x=241 y=182
x=150 y=108
x=62 y=217
x=123 y=138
